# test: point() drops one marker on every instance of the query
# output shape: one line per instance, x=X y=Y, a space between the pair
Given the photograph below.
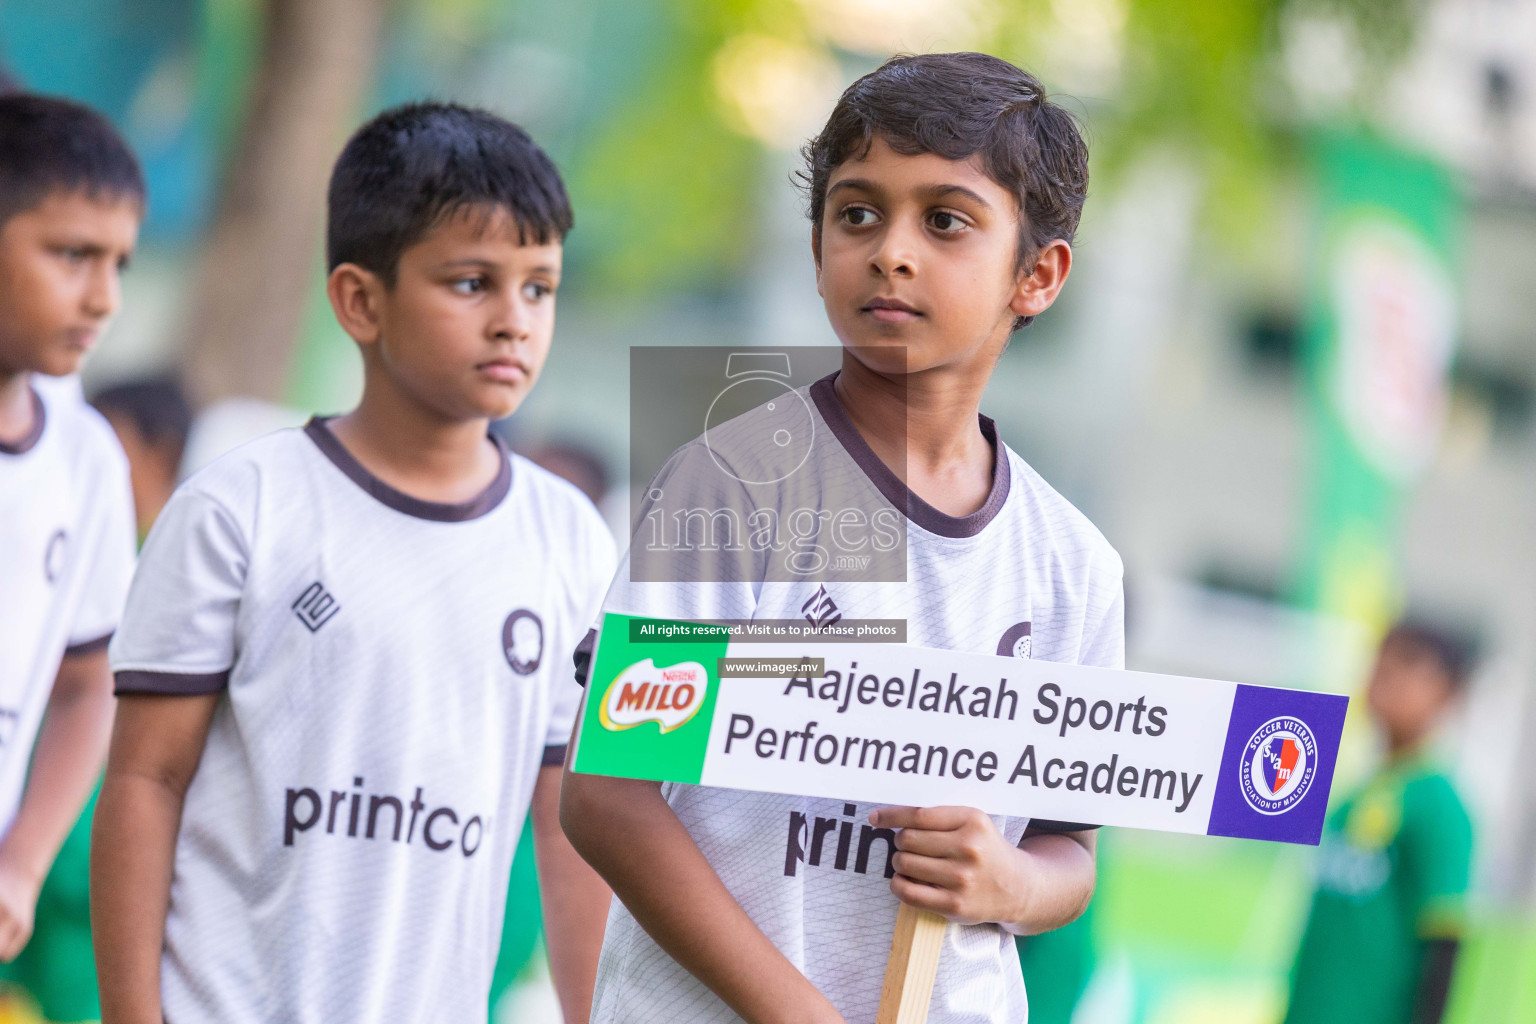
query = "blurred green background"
x=1293 y=378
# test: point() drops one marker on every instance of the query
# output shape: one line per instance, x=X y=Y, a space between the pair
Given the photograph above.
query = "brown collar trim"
x=892 y=487
x=34 y=433
x=438 y=512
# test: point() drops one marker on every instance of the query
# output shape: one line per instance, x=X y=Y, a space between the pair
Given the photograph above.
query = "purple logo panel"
x=1277 y=765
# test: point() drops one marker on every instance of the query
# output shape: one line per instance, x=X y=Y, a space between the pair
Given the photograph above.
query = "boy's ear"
x=355 y=293
x=1039 y=288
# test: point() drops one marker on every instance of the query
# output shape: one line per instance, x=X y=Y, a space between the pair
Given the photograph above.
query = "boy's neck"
x=16 y=410
x=1402 y=749
x=925 y=428
x=416 y=450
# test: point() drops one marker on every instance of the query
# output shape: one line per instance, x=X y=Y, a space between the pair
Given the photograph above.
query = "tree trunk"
x=255 y=269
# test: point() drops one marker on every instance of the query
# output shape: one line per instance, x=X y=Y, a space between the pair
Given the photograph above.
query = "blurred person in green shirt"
x=1388 y=914
x=1057 y=967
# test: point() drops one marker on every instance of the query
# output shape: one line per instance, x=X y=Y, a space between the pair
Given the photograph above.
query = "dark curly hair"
x=956 y=105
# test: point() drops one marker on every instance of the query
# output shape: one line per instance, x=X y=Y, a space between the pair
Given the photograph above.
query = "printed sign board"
x=897 y=724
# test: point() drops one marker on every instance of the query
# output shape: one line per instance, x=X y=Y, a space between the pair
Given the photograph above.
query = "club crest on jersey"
x=53 y=557
x=522 y=641
x=1015 y=642
x=668 y=696
x=1278 y=765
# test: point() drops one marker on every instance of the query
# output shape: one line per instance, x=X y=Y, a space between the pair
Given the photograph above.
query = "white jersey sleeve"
x=1104 y=642
x=106 y=545
x=178 y=632
x=593 y=570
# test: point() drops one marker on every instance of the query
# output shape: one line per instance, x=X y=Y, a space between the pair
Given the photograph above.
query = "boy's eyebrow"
x=933 y=191
x=84 y=245
x=940 y=191
x=861 y=184
x=476 y=261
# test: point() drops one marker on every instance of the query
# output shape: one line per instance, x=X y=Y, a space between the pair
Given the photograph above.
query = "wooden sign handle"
x=910 y=971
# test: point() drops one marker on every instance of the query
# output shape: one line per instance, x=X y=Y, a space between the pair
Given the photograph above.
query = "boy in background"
x=326 y=738
x=71 y=199
x=944 y=193
x=1388 y=914
x=152 y=420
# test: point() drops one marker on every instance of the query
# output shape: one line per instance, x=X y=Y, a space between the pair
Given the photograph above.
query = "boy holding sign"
x=945 y=191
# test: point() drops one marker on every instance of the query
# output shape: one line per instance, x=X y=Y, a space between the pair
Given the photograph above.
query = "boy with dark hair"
x=338 y=673
x=944 y=193
x=151 y=418
x=71 y=198
x=58 y=969
x=1393 y=867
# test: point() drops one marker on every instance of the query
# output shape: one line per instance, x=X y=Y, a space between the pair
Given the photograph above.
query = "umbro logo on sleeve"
x=316 y=606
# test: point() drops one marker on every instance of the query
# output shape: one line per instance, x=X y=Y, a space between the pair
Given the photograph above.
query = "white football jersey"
x=392 y=673
x=66 y=555
x=1026 y=575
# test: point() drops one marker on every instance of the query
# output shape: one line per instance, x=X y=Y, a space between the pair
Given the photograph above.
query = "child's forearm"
x=575 y=902
x=65 y=763
x=1060 y=870
x=626 y=830
x=132 y=851
x=156 y=744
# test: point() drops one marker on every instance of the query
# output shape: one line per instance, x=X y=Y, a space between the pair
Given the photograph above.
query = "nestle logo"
x=636 y=696
x=315 y=607
x=821 y=611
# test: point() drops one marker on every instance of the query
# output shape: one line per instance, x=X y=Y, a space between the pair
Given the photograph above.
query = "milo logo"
x=644 y=693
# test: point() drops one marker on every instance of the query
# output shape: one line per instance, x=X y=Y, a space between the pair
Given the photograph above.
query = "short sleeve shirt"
x=66 y=555
x=1026 y=575
x=391 y=675
x=1393 y=870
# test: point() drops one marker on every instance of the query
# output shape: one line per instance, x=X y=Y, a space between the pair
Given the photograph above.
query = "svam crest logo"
x=1278 y=765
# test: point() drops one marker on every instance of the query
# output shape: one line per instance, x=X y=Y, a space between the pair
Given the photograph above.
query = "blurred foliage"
x=227 y=56
x=663 y=188
x=666 y=185
x=662 y=137
x=1207 y=79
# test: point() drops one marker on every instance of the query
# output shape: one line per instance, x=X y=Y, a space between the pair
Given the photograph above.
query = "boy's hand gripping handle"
x=910 y=971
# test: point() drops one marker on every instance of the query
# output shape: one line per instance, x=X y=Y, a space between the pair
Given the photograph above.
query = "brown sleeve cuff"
x=88 y=646
x=178 y=684
x=1047 y=825
x=583 y=656
x=554 y=757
